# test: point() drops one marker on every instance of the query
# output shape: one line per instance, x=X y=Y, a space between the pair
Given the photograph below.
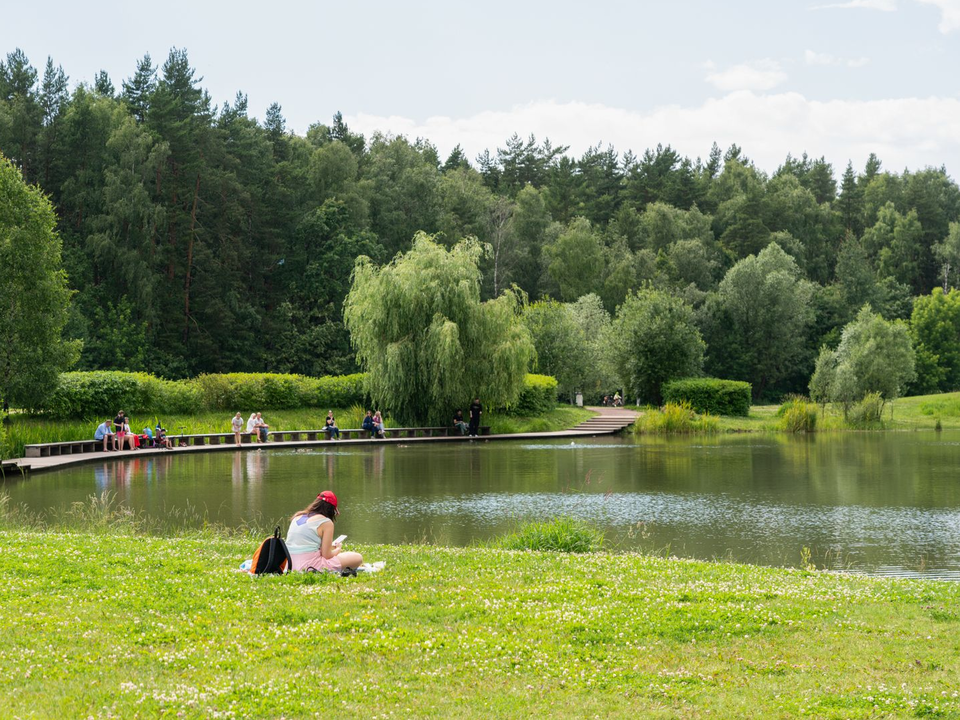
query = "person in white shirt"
x=237 y=428
x=252 y=428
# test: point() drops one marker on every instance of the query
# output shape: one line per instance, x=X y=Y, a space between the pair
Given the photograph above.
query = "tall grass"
x=798 y=415
x=558 y=535
x=675 y=418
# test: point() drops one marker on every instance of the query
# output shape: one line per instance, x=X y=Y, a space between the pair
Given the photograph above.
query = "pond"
x=883 y=503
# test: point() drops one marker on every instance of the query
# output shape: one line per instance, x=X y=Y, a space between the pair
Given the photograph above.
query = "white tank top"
x=302 y=536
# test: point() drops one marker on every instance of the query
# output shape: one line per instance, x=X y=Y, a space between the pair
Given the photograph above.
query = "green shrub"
x=558 y=535
x=538 y=396
x=710 y=395
x=339 y=391
x=797 y=415
x=675 y=418
x=866 y=413
x=100 y=394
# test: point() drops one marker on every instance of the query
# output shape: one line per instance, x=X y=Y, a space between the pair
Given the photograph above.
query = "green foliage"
x=571 y=341
x=100 y=394
x=92 y=395
x=868 y=412
x=561 y=534
x=538 y=396
x=756 y=324
x=710 y=395
x=675 y=418
x=797 y=415
x=575 y=260
x=874 y=356
x=33 y=293
x=426 y=341
x=935 y=327
x=653 y=340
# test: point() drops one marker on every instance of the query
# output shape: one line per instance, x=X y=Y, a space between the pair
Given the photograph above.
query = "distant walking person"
x=237 y=424
x=476 y=410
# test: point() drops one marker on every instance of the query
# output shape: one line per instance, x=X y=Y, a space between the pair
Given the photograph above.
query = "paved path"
x=606 y=422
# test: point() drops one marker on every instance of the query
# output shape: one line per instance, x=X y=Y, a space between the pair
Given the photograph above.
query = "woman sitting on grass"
x=310 y=538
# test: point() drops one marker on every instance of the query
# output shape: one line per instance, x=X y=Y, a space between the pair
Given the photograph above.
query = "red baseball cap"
x=328 y=496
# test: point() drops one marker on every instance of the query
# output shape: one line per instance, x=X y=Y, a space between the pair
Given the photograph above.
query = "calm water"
x=878 y=503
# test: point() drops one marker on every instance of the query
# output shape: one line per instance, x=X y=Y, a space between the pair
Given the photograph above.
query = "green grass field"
x=910 y=413
x=106 y=621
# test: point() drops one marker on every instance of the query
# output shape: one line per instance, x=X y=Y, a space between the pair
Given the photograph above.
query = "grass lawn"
x=25 y=429
x=910 y=413
x=109 y=622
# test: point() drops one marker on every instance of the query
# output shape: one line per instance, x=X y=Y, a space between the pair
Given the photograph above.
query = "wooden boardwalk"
x=606 y=422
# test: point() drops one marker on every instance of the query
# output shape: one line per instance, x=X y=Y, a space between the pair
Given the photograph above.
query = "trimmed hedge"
x=99 y=394
x=538 y=396
x=710 y=395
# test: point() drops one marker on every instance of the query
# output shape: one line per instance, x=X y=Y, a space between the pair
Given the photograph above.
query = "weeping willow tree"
x=426 y=342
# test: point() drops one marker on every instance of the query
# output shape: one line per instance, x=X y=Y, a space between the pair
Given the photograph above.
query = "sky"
x=833 y=79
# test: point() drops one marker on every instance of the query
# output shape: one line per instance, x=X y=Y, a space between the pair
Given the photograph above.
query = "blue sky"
x=840 y=79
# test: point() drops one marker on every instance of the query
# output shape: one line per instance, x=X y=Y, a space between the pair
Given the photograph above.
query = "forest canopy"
x=198 y=238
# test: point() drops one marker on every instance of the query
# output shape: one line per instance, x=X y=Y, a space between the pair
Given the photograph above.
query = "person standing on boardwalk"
x=476 y=410
x=237 y=423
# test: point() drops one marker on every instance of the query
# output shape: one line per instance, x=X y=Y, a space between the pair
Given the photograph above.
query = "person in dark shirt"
x=458 y=422
x=476 y=410
x=368 y=424
x=330 y=427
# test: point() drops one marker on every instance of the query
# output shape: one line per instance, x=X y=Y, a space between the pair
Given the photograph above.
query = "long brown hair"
x=319 y=507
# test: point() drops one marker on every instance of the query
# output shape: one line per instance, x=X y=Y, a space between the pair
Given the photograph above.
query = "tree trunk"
x=190 y=239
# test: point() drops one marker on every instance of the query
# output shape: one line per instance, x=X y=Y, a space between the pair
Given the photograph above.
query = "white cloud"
x=949 y=14
x=882 y=5
x=904 y=132
x=757 y=75
x=815 y=58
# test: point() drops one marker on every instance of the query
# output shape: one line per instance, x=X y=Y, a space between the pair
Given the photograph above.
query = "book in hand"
x=339 y=540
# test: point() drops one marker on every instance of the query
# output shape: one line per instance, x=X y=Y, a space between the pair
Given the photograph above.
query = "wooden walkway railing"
x=195 y=440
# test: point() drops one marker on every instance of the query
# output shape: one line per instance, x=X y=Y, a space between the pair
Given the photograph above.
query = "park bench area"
x=77 y=447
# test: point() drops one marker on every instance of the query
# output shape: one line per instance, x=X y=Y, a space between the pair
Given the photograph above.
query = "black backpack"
x=272 y=557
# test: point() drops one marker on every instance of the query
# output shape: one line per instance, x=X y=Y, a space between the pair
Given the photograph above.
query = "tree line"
x=199 y=239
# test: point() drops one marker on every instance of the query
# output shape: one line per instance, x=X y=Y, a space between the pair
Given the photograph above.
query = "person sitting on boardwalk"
x=330 y=427
x=252 y=428
x=146 y=438
x=105 y=433
x=367 y=424
x=161 y=439
x=310 y=538
x=262 y=428
x=378 y=424
x=458 y=422
x=237 y=424
x=476 y=410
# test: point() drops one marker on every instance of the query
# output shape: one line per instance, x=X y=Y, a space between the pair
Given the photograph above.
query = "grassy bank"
x=29 y=429
x=107 y=622
x=910 y=413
